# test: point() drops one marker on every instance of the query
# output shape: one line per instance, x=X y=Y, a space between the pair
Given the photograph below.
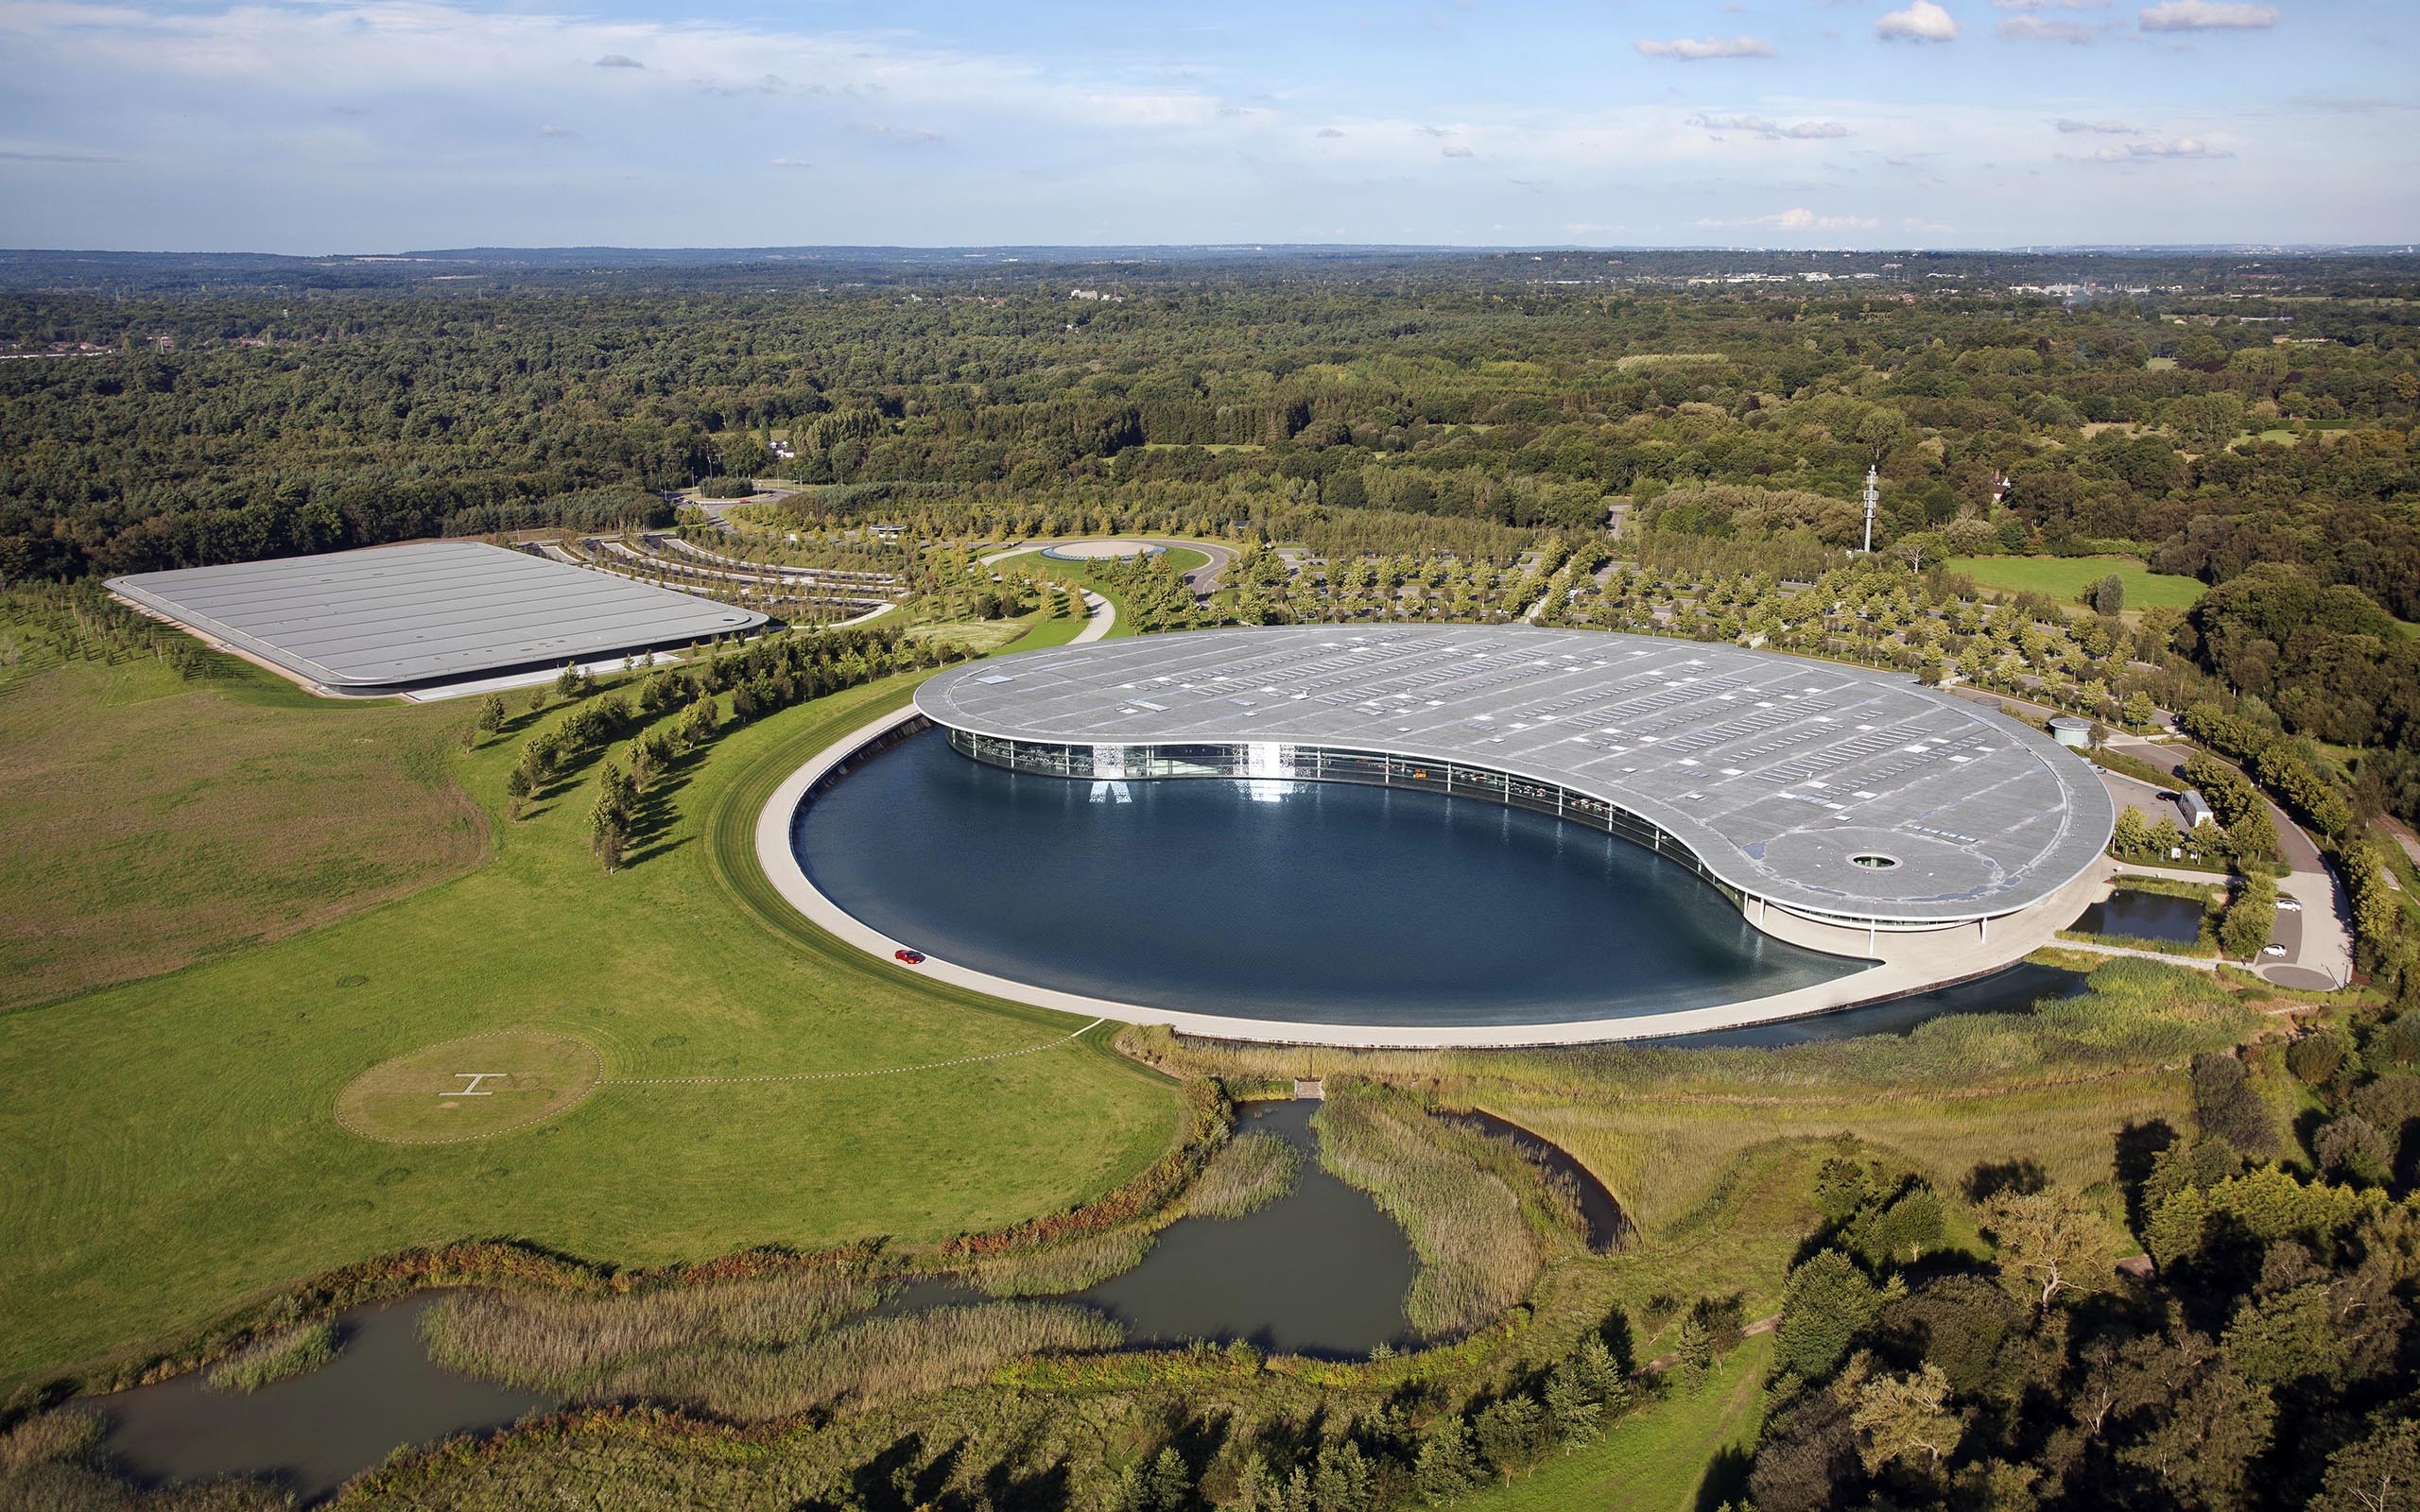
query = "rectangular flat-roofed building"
x=413 y=618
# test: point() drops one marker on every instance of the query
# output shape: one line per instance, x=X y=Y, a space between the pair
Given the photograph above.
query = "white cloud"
x=1922 y=21
x=2073 y=128
x=1758 y=126
x=1451 y=150
x=2050 y=4
x=617 y=61
x=2034 y=28
x=2183 y=146
x=791 y=162
x=2206 y=15
x=1328 y=131
x=1694 y=49
x=1800 y=218
x=556 y=131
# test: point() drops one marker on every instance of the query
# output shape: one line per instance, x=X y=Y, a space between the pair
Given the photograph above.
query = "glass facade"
x=1323 y=763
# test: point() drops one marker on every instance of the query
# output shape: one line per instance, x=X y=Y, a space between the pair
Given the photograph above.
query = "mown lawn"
x=172 y=1145
x=154 y=821
x=2066 y=577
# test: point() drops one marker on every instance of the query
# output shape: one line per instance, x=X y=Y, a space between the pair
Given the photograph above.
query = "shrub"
x=1827 y=1305
x=2228 y=1106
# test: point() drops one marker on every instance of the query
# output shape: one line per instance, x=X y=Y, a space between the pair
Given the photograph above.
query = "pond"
x=1320 y=1272
x=1314 y=901
x=2132 y=914
x=2018 y=989
x=312 y=1433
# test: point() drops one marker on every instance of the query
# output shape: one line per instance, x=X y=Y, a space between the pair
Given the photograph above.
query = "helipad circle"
x=473 y=1087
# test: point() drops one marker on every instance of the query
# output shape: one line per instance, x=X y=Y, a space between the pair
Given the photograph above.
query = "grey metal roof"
x=392 y=615
x=1775 y=770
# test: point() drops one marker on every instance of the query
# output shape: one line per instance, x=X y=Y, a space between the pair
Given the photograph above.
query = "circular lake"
x=1319 y=901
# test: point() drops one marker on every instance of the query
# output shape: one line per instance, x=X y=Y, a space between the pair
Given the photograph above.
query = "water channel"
x=1314 y=901
x=2018 y=989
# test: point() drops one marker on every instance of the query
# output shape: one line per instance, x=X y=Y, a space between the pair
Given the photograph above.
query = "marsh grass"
x=1478 y=1254
x=1067 y=1267
x=767 y=1346
x=1249 y=1171
x=276 y=1357
x=1662 y=1127
x=573 y=1345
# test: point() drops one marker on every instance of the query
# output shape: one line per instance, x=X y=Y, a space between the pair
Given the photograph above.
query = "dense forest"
x=2245 y=421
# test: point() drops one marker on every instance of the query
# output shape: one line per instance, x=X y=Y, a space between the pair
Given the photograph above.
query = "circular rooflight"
x=1873 y=862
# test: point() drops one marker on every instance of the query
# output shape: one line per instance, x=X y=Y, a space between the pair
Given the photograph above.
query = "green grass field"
x=125 y=857
x=173 y=1143
x=2066 y=577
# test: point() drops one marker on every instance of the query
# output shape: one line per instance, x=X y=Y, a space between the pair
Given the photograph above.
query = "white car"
x=2272 y=950
x=2290 y=906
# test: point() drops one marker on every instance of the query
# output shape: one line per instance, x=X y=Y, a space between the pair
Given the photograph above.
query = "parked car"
x=910 y=958
x=2272 y=950
x=2290 y=906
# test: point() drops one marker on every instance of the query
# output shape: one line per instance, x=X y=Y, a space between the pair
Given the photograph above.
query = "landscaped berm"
x=473 y=1087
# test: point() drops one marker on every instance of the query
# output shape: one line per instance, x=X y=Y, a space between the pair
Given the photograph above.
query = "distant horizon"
x=2409 y=246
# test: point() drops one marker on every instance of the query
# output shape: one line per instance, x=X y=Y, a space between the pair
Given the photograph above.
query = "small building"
x=2076 y=735
x=2196 y=809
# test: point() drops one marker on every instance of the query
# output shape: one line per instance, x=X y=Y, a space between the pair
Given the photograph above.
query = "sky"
x=325 y=126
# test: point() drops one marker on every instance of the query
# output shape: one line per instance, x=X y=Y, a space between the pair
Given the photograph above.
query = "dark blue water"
x=2132 y=914
x=2018 y=989
x=1318 y=901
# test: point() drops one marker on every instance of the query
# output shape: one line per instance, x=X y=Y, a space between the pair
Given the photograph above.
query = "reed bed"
x=572 y=1344
x=276 y=1356
x=1068 y=1268
x=1249 y=1171
x=771 y=1347
x=1477 y=1255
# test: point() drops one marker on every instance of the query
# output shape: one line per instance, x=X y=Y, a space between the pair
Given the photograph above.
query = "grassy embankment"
x=2066 y=578
x=173 y=1143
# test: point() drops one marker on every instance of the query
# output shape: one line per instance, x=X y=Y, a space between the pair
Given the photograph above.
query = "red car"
x=911 y=957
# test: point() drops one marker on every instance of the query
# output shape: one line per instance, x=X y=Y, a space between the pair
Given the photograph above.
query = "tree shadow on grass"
x=632 y=859
x=1726 y=1482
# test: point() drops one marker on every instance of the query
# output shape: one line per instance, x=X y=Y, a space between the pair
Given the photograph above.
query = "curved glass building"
x=1848 y=799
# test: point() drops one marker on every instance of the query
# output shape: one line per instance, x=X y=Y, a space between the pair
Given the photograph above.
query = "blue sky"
x=369 y=125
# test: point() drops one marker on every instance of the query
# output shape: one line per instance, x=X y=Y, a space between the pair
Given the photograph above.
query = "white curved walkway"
x=1911 y=963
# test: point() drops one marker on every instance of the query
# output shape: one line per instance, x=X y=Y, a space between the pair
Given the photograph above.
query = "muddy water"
x=312 y=1433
